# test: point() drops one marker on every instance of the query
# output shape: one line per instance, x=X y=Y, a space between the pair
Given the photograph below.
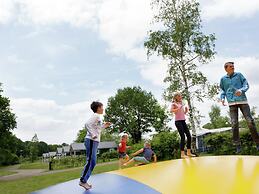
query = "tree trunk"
x=191 y=113
x=191 y=118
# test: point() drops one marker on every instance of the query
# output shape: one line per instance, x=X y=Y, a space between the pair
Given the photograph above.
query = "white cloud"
x=124 y=24
x=45 y=12
x=6 y=11
x=20 y=89
x=154 y=71
x=55 y=50
x=52 y=122
x=230 y=8
x=15 y=60
x=50 y=66
x=48 y=86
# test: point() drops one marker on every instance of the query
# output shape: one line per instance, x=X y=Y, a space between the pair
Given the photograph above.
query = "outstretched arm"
x=137 y=152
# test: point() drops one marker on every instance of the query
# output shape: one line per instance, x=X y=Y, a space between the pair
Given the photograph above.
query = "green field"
x=5 y=172
x=34 y=165
x=27 y=185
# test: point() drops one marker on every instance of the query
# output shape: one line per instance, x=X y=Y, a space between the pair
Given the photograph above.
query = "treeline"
x=13 y=150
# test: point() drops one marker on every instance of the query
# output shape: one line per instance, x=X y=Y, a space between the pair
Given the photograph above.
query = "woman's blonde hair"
x=175 y=95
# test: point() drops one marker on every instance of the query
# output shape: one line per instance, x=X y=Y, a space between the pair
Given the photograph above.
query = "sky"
x=57 y=56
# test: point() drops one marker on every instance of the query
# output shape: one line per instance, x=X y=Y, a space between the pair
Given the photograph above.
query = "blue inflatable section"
x=102 y=184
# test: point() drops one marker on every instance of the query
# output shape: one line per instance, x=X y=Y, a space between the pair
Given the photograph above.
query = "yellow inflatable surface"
x=202 y=175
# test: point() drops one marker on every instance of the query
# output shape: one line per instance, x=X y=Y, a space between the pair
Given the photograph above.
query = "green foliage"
x=105 y=136
x=7 y=119
x=243 y=123
x=53 y=147
x=42 y=148
x=107 y=156
x=166 y=145
x=81 y=136
x=33 y=146
x=34 y=165
x=216 y=120
x=222 y=144
x=8 y=158
x=68 y=162
x=183 y=45
x=135 y=147
x=31 y=184
x=135 y=111
x=6 y=172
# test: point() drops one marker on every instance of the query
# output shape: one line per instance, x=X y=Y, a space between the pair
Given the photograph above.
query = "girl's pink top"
x=179 y=115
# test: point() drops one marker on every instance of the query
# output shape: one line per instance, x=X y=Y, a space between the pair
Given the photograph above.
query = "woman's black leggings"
x=183 y=130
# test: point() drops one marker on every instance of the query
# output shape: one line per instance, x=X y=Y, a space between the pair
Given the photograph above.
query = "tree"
x=42 y=148
x=216 y=120
x=183 y=45
x=135 y=111
x=7 y=119
x=34 y=148
x=80 y=138
x=105 y=136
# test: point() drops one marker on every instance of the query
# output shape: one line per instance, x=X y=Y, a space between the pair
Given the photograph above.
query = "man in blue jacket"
x=233 y=86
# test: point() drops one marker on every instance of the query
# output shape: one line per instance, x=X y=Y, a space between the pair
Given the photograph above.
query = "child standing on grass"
x=180 y=110
x=122 y=148
x=93 y=126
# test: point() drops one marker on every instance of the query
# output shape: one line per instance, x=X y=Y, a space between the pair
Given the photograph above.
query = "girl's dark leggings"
x=183 y=130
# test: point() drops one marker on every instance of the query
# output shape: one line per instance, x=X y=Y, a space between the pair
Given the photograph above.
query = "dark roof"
x=107 y=145
x=102 y=145
x=77 y=146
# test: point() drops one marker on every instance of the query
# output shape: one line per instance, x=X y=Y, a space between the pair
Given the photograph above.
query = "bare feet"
x=184 y=156
x=85 y=185
x=191 y=155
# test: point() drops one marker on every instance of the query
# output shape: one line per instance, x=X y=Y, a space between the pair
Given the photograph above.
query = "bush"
x=8 y=158
x=166 y=145
x=222 y=143
x=68 y=162
x=107 y=156
x=135 y=147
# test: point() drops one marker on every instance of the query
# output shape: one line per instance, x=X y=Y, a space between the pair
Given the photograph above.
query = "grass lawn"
x=5 y=172
x=34 y=165
x=27 y=185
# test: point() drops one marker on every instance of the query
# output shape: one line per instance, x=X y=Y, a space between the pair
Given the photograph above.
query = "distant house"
x=107 y=146
x=52 y=154
x=66 y=150
x=59 y=151
x=201 y=134
x=79 y=148
x=47 y=156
